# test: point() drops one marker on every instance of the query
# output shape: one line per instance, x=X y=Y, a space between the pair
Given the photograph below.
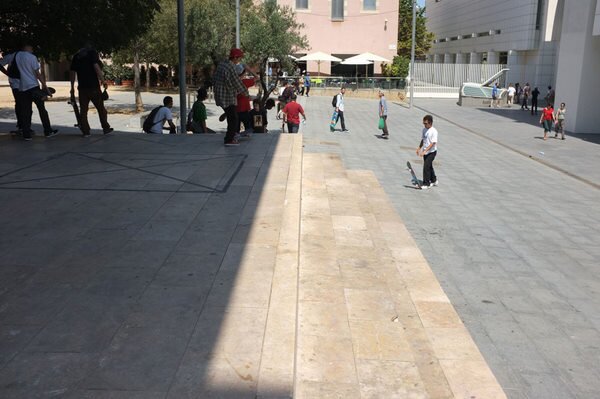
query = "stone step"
x=251 y=309
x=373 y=319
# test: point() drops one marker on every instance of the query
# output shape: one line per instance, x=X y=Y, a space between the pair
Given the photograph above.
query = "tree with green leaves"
x=424 y=38
x=423 y=41
x=270 y=31
x=59 y=28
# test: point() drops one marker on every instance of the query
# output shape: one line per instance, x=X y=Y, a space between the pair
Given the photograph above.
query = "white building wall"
x=512 y=24
x=578 y=80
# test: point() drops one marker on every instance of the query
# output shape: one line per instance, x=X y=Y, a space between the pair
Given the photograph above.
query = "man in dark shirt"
x=534 y=101
x=87 y=67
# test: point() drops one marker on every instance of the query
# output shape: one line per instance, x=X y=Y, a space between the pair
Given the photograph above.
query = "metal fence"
x=352 y=83
x=445 y=80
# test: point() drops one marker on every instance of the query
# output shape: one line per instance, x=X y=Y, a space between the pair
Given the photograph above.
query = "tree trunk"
x=147 y=76
x=139 y=104
x=264 y=91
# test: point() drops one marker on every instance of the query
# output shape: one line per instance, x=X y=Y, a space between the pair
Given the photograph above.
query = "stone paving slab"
x=510 y=240
x=148 y=266
x=372 y=320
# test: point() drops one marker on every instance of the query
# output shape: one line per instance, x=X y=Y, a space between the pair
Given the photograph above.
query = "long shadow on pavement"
x=119 y=261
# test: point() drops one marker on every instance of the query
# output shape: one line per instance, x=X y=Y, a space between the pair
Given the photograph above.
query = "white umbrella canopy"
x=373 y=57
x=350 y=61
x=319 y=56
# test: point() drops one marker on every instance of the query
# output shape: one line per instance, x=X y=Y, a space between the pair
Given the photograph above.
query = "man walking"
x=534 y=101
x=291 y=114
x=307 y=83
x=526 y=94
x=87 y=68
x=339 y=108
x=383 y=112
x=428 y=150
x=29 y=75
x=227 y=87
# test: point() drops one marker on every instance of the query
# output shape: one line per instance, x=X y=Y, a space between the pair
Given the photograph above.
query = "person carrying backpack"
x=29 y=73
x=158 y=116
x=338 y=104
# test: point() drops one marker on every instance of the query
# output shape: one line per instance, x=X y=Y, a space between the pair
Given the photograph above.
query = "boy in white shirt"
x=164 y=115
x=428 y=150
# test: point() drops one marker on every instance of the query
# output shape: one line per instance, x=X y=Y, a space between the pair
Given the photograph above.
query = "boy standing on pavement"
x=428 y=150
x=87 y=67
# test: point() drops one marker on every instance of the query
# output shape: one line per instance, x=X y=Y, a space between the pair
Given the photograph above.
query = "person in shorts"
x=547 y=119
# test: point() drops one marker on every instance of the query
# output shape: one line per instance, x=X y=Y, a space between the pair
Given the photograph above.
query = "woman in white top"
x=560 y=121
x=511 y=94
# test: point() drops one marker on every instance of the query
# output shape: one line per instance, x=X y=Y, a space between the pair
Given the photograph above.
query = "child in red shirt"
x=292 y=112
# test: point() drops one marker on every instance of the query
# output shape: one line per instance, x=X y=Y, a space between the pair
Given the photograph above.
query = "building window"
x=302 y=4
x=503 y=58
x=369 y=5
x=337 y=10
x=538 y=17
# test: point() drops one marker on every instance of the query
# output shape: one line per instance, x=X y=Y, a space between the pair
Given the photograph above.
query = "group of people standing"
x=520 y=95
x=25 y=76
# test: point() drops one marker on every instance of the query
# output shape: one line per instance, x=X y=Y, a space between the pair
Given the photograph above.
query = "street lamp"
x=237 y=24
x=182 y=80
x=412 y=52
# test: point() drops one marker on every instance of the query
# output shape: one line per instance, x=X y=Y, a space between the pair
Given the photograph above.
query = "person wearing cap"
x=227 y=85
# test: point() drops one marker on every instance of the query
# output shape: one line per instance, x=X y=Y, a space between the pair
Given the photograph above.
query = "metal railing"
x=352 y=83
x=445 y=80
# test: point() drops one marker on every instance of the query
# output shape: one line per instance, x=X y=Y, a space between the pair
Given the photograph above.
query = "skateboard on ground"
x=73 y=103
x=414 y=179
x=333 y=121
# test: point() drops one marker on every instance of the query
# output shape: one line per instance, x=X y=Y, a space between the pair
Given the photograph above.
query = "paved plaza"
x=139 y=266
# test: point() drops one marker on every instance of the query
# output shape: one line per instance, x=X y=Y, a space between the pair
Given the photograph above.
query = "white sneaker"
x=425 y=187
x=435 y=183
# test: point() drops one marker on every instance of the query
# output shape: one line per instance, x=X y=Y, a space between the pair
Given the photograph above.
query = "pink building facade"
x=346 y=28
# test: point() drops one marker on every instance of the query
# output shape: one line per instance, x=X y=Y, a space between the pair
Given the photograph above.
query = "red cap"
x=236 y=53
